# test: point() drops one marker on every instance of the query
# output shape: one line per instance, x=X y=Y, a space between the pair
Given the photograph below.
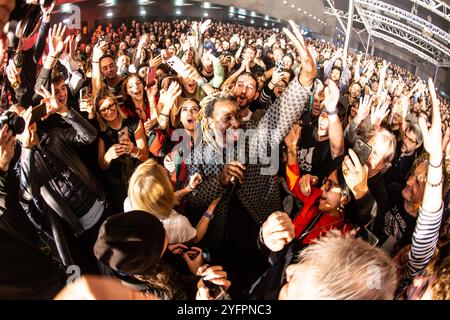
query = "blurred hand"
x=13 y=72
x=193 y=259
x=115 y=151
x=169 y=164
x=293 y=136
x=7 y=144
x=195 y=180
x=306 y=182
x=277 y=231
x=214 y=274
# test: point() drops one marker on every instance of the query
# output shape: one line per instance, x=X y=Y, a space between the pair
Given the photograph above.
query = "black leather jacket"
x=35 y=183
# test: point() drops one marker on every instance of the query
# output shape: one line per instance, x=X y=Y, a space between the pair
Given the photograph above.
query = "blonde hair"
x=102 y=95
x=150 y=190
x=347 y=268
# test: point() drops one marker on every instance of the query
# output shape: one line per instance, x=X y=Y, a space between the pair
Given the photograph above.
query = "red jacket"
x=310 y=210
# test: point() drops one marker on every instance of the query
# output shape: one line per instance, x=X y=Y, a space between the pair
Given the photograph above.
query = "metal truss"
x=405 y=32
x=341 y=14
x=436 y=6
x=397 y=32
x=407 y=47
x=391 y=10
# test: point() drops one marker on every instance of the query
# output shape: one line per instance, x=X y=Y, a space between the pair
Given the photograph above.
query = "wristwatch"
x=202 y=82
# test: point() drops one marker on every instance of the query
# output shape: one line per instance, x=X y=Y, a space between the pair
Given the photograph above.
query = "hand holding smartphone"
x=176 y=64
x=362 y=150
x=38 y=112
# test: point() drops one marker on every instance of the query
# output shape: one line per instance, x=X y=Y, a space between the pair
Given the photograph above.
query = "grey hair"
x=342 y=267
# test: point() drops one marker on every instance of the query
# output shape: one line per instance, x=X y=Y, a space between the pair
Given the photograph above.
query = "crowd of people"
x=185 y=159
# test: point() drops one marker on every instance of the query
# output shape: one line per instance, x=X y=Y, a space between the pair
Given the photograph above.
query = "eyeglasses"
x=111 y=107
x=328 y=184
x=406 y=138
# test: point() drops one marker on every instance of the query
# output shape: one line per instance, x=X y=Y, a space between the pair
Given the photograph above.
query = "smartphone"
x=369 y=237
x=100 y=39
x=363 y=151
x=176 y=64
x=123 y=135
x=151 y=76
x=84 y=93
x=38 y=112
x=279 y=65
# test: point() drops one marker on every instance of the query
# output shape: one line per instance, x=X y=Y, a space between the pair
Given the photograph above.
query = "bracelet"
x=437 y=167
x=208 y=215
x=52 y=57
x=436 y=185
x=332 y=113
x=95 y=61
x=163 y=114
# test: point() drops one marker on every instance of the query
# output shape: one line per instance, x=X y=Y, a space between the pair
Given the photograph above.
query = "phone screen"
x=151 y=75
x=38 y=113
x=123 y=135
x=362 y=150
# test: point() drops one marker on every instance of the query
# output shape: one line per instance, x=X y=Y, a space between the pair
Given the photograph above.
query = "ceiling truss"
x=404 y=29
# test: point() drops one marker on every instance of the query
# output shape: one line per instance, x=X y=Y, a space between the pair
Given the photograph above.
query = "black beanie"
x=130 y=242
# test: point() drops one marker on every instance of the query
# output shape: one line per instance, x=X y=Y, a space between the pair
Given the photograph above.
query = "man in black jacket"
x=52 y=171
x=25 y=271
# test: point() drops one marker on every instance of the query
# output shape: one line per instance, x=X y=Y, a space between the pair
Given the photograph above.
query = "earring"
x=340 y=208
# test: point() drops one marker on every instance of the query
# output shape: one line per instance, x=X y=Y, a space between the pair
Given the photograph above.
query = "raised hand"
x=308 y=72
x=195 y=180
x=47 y=12
x=306 y=182
x=56 y=41
x=277 y=231
x=331 y=96
x=378 y=114
x=355 y=175
x=52 y=103
x=98 y=51
x=155 y=62
x=432 y=137
x=293 y=135
x=169 y=97
x=363 y=110
x=13 y=72
x=28 y=138
x=205 y=26
x=88 y=106
x=7 y=144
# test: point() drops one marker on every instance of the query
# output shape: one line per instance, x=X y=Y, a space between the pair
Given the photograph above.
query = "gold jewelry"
x=16 y=85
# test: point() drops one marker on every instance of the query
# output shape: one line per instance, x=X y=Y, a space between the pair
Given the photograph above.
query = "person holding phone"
x=122 y=145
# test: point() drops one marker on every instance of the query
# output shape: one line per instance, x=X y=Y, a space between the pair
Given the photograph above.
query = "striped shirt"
x=424 y=242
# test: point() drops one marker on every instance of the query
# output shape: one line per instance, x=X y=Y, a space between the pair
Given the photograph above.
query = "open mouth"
x=241 y=100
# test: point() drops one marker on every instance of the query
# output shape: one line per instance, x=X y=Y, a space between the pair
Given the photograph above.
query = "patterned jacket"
x=259 y=192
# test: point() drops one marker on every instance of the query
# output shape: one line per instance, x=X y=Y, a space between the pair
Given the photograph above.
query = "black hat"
x=130 y=242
